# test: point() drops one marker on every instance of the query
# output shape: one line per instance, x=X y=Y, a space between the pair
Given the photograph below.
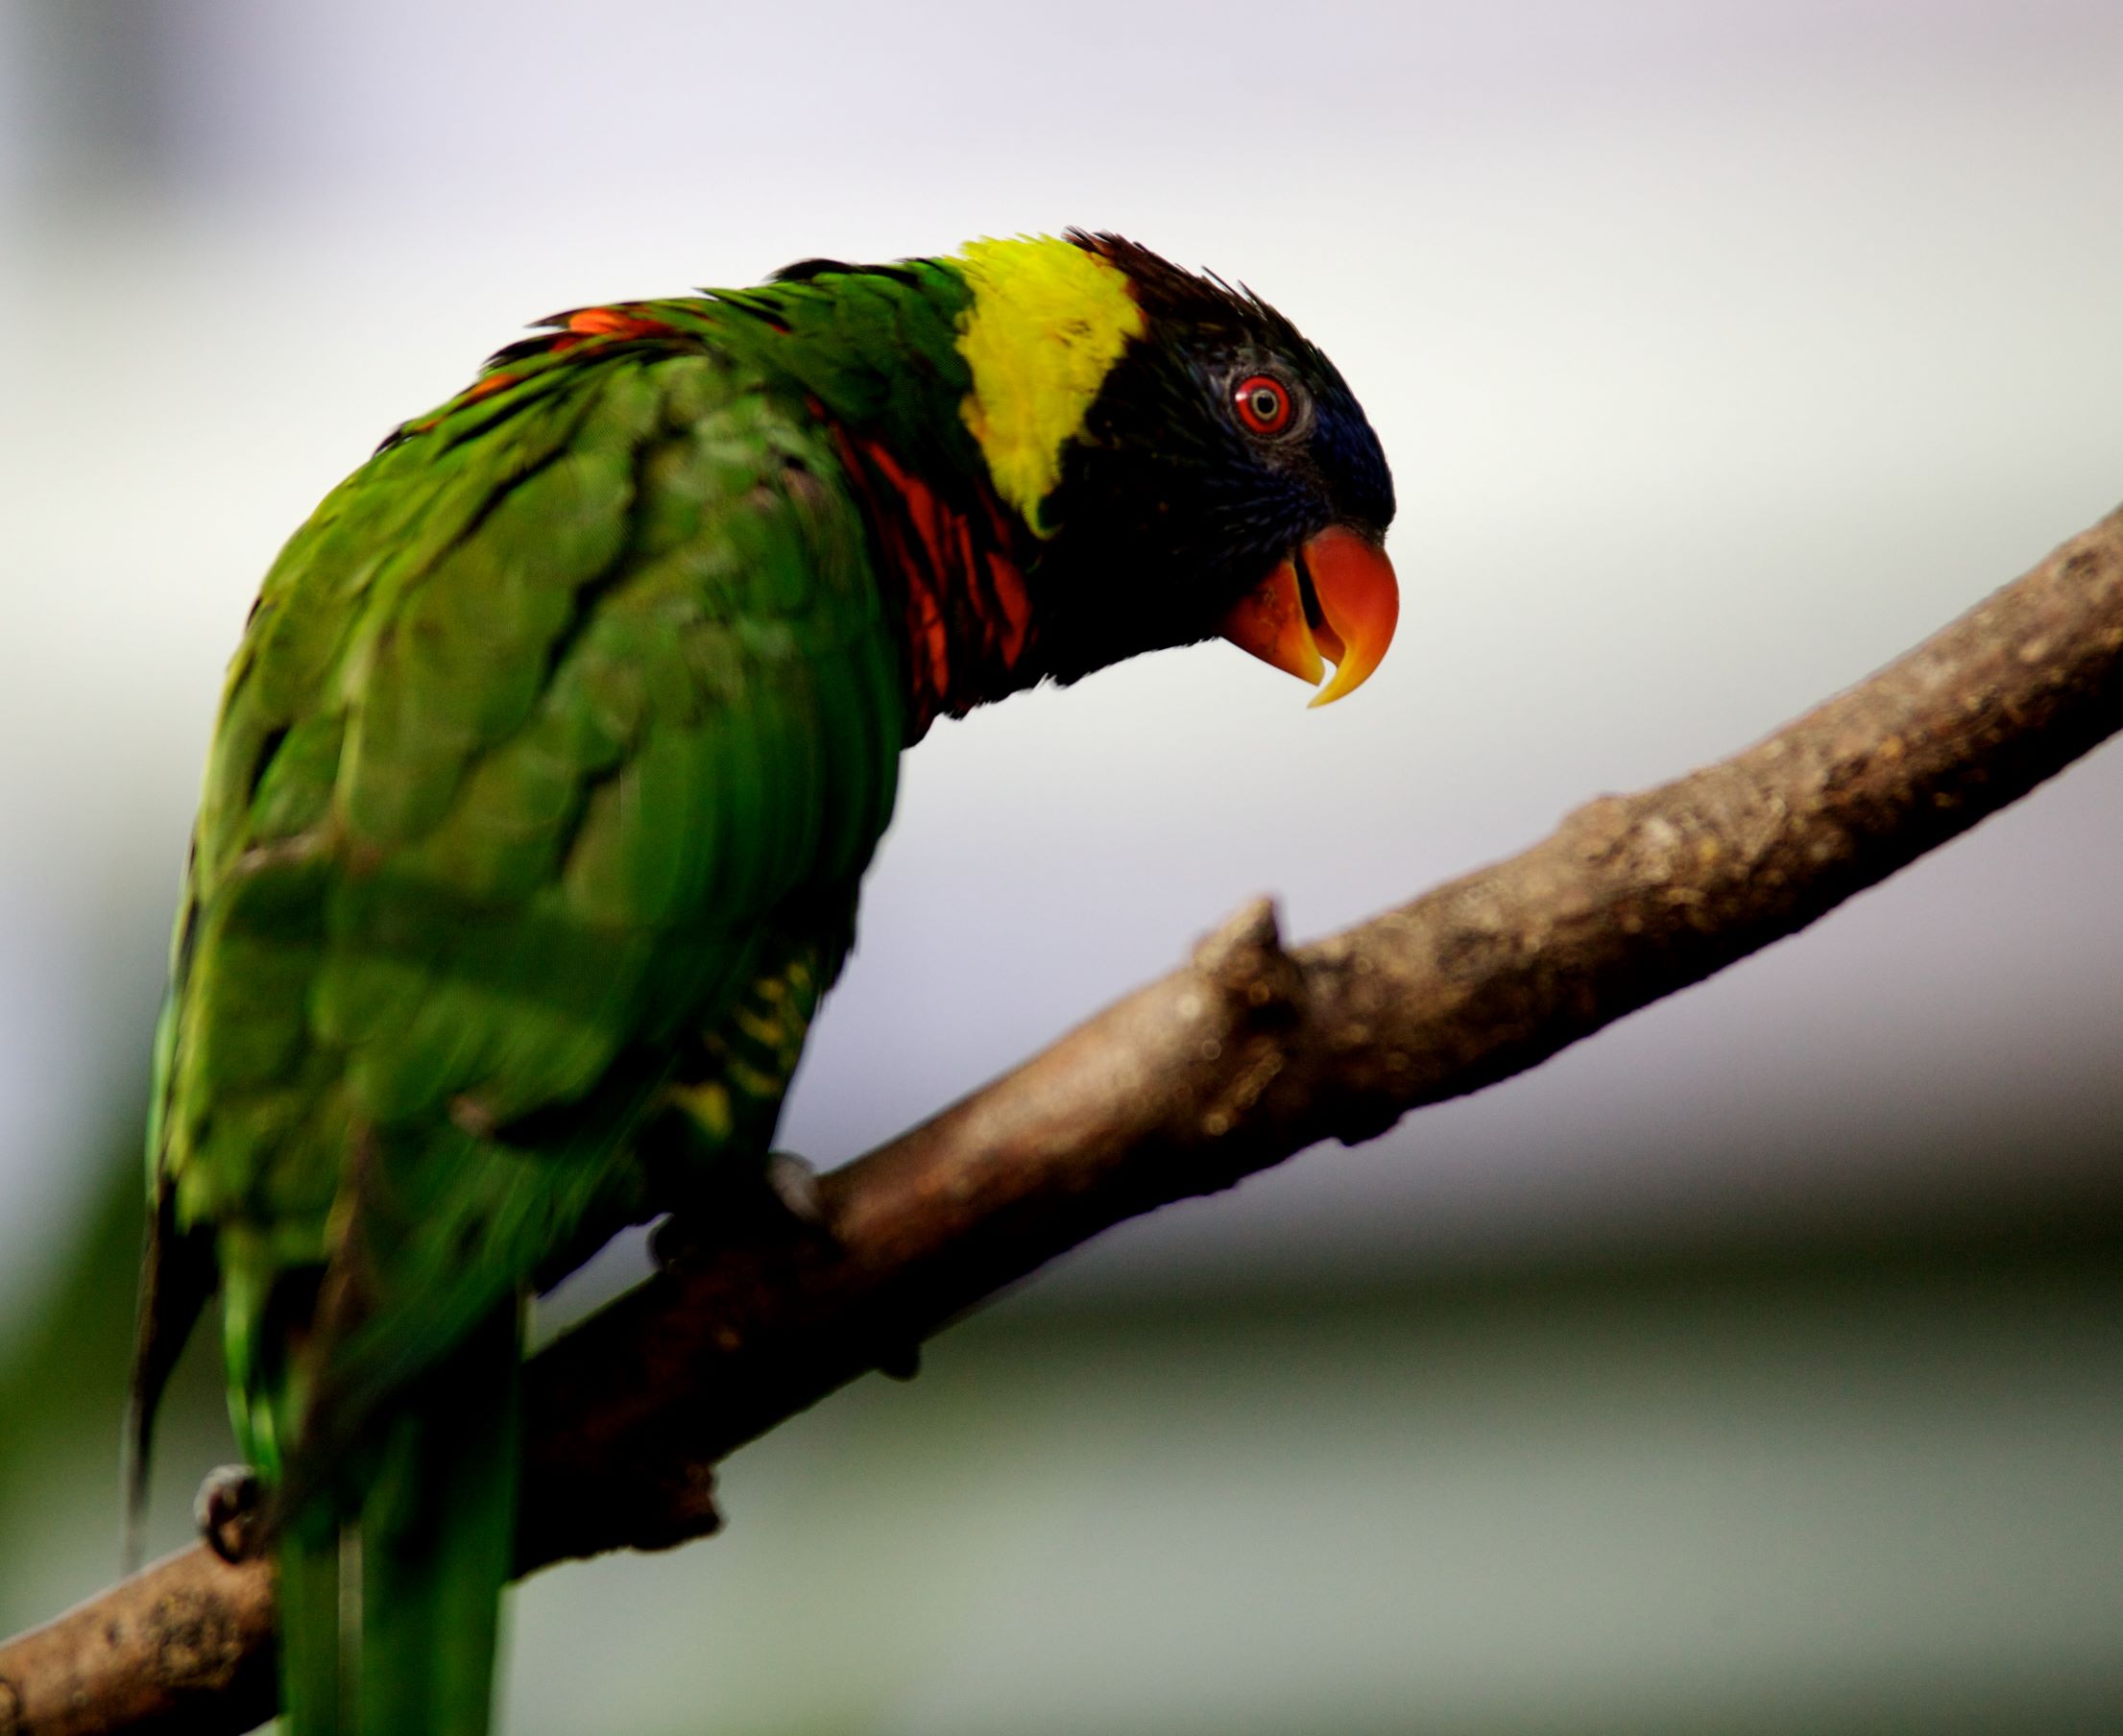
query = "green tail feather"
x=438 y=1534
x=437 y=1541
x=312 y=1684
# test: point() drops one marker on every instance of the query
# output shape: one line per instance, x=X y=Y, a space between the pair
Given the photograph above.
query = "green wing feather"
x=546 y=769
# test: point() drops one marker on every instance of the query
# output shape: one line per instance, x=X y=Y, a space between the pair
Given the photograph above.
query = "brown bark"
x=1247 y=1054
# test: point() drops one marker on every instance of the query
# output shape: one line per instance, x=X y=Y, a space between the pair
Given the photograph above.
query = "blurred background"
x=1754 y=1366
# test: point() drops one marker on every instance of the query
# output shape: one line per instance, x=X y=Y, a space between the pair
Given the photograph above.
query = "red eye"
x=1262 y=403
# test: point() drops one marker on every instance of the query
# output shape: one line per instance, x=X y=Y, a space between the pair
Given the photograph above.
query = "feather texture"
x=558 y=718
x=546 y=772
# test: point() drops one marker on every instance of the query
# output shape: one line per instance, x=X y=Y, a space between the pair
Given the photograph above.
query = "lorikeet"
x=546 y=776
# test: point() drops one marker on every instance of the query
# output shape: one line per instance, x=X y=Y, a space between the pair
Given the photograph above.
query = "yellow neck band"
x=1047 y=324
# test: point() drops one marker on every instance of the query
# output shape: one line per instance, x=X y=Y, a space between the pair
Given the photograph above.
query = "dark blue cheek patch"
x=1347 y=450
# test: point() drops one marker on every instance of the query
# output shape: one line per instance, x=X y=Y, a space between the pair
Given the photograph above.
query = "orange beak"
x=1337 y=598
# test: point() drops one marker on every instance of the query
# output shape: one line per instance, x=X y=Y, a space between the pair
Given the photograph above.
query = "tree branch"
x=1247 y=1055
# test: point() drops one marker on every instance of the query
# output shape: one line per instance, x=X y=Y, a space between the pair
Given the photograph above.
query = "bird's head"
x=1191 y=466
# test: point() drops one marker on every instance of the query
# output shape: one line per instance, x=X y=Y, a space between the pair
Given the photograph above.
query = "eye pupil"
x=1263 y=404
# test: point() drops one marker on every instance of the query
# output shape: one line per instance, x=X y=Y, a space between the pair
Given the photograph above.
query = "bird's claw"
x=227 y=1509
x=737 y=1212
x=794 y=1182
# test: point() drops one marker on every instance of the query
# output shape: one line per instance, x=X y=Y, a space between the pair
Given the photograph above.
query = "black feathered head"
x=1225 y=480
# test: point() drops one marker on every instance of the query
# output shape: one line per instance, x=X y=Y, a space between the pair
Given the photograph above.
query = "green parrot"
x=545 y=780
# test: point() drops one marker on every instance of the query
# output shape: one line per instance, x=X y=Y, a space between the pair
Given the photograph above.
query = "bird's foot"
x=741 y=1213
x=794 y=1182
x=228 y=1510
x=788 y=1213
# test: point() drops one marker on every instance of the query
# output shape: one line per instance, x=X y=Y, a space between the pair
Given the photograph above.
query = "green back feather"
x=559 y=737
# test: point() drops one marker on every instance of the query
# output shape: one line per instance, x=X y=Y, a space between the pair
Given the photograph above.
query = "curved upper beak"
x=1336 y=598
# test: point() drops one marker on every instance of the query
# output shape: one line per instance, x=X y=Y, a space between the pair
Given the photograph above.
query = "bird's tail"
x=435 y=1540
x=313 y=1691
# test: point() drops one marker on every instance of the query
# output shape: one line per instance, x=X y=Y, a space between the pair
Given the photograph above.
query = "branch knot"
x=1244 y=964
